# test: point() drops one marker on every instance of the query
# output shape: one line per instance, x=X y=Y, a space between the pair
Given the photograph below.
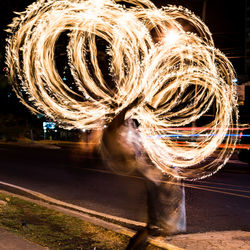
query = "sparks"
x=180 y=73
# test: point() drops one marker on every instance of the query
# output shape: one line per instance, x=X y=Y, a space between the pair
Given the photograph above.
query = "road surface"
x=220 y=202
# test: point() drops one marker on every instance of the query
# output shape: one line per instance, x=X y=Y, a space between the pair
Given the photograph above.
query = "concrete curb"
x=96 y=218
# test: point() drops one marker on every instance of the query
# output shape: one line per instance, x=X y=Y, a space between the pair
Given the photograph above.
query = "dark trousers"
x=166 y=205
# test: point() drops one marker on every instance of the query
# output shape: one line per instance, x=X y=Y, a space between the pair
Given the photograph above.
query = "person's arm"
x=120 y=117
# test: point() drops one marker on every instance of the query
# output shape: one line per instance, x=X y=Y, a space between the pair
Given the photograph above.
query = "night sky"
x=224 y=18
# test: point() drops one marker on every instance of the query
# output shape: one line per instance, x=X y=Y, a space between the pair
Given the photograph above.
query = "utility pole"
x=204 y=10
x=203 y=18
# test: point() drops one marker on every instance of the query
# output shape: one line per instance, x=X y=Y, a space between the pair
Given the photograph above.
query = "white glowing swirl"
x=166 y=54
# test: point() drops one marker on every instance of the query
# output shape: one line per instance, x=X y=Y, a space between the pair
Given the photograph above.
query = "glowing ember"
x=166 y=54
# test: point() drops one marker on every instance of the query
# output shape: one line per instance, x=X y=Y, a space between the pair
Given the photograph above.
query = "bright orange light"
x=171 y=37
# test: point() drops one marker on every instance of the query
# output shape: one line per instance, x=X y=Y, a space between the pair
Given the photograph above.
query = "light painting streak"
x=166 y=55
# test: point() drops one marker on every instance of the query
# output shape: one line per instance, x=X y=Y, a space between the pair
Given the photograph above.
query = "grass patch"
x=55 y=230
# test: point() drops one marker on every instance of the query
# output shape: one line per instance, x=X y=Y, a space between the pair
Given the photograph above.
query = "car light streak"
x=196 y=135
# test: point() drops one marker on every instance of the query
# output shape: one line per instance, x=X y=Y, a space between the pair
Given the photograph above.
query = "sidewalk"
x=225 y=240
x=10 y=241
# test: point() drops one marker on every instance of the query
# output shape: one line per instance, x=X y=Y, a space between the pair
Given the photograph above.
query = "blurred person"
x=123 y=151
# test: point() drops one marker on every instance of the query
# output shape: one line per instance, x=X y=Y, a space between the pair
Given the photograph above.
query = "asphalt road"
x=220 y=202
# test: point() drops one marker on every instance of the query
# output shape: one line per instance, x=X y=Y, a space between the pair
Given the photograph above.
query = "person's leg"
x=166 y=209
x=139 y=241
x=166 y=206
x=165 y=198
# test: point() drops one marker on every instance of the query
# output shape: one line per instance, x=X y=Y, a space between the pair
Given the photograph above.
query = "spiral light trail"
x=166 y=55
